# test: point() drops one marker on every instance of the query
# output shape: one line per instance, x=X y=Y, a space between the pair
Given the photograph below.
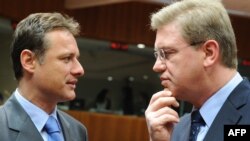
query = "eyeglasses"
x=163 y=55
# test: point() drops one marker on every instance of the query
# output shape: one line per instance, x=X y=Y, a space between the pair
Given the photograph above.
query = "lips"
x=164 y=81
x=72 y=83
x=164 y=78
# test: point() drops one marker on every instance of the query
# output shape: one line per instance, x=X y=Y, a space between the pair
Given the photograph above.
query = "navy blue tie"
x=52 y=128
x=196 y=122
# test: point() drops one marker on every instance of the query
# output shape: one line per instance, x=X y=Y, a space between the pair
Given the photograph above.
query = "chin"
x=69 y=96
x=72 y=97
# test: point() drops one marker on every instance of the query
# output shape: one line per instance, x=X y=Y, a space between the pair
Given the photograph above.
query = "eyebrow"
x=163 y=47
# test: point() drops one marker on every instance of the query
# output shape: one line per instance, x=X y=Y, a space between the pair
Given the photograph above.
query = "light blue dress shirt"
x=211 y=107
x=37 y=115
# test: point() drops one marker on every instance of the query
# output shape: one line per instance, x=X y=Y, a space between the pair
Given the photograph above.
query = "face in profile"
x=58 y=73
x=182 y=65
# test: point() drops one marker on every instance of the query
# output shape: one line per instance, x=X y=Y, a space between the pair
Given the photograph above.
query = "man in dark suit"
x=196 y=57
x=45 y=61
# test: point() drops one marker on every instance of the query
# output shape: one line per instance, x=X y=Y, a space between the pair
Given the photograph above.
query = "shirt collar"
x=37 y=115
x=212 y=106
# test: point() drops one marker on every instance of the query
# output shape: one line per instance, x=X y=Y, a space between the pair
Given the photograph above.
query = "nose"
x=159 y=66
x=77 y=69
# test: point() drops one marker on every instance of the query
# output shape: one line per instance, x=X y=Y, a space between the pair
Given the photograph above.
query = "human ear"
x=212 y=51
x=27 y=59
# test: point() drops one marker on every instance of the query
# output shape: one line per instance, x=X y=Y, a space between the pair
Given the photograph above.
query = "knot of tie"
x=197 y=118
x=196 y=122
x=51 y=125
x=52 y=128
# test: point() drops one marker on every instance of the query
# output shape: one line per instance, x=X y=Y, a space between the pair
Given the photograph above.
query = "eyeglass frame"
x=161 y=53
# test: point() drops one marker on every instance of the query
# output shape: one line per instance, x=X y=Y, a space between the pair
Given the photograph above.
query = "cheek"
x=58 y=68
x=186 y=66
x=52 y=72
x=191 y=71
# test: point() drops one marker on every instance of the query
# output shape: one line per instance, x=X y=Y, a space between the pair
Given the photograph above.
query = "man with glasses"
x=196 y=57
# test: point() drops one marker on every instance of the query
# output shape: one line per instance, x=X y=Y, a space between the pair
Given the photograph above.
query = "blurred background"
x=116 y=46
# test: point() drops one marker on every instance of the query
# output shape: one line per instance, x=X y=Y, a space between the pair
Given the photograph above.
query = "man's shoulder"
x=242 y=89
x=1 y=107
x=2 y=111
x=4 y=134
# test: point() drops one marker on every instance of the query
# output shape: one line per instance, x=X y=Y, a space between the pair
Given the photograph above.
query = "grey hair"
x=201 y=20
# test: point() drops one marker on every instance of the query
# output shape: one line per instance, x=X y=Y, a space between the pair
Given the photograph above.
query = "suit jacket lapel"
x=29 y=131
x=229 y=113
x=19 y=121
x=65 y=127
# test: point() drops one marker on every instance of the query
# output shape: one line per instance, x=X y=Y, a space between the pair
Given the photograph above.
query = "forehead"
x=61 y=41
x=169 y=36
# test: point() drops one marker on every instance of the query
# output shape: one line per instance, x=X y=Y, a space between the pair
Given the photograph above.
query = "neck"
x=213 y=82
x=33 y=95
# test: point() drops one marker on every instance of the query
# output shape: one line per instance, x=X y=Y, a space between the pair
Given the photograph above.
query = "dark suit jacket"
x=235 y=111
x=16 y=125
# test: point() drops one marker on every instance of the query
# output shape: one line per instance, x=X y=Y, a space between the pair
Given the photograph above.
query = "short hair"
x=30 y=33
x=201 y=20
